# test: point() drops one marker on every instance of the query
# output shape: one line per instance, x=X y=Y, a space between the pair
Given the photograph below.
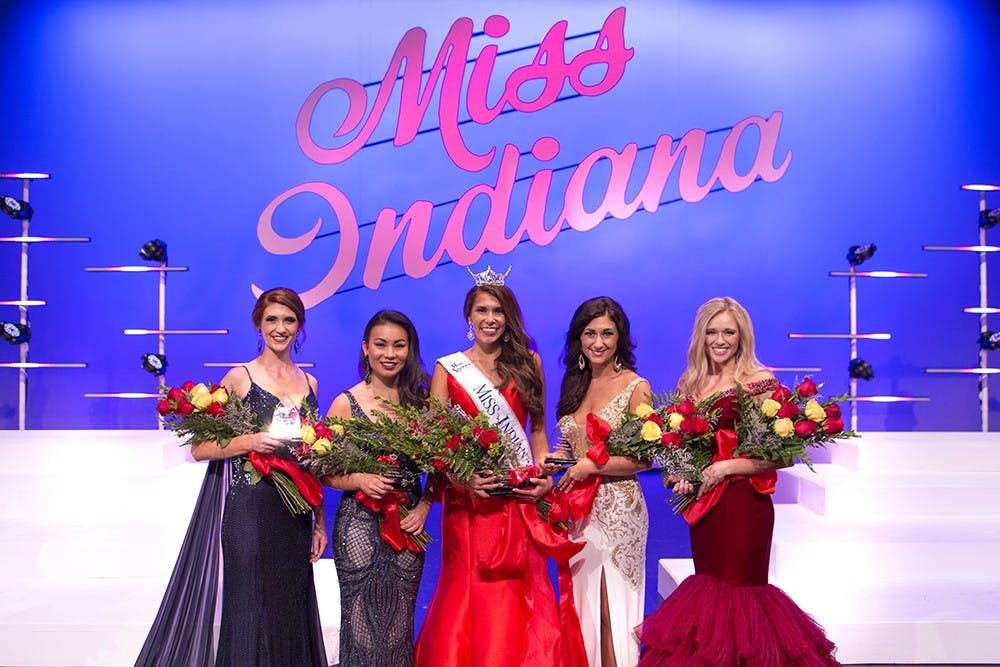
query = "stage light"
x=154 y=251
x=857 y=254
x=154 y=363
x=15 y=333
x=860 y=369
x=989 y=218
x=989 y=340
x=15 y=208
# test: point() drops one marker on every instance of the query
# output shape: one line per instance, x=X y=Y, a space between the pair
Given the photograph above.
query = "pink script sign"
x=411 y=228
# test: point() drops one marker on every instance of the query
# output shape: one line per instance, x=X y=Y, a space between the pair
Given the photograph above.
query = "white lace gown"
x=615 y=534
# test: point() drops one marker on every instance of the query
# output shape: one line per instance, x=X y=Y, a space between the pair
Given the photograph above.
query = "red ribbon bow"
x=388 y=508
x=597 y=432
x=311 y=490
x=725 y=443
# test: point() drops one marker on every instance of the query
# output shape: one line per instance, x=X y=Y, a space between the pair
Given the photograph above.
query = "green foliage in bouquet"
x=788 y=423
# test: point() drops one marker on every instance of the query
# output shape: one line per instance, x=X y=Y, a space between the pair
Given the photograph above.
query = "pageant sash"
x=490 y=401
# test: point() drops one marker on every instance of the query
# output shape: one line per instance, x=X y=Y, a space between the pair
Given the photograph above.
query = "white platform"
x=894 y=547
x=90 y=525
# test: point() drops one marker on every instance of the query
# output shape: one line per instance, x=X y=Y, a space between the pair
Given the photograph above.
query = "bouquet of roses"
x=788 y=423
x=344 y=446
x=199 y=413
x=438 y=438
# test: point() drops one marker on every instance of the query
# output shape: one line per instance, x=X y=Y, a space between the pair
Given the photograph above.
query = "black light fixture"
x=15 y=333
x=154 y=363
x=857 y=254
x=860 y=369
x=989 y=218
x=15 y=208
x=989 y=340
x=154 y=251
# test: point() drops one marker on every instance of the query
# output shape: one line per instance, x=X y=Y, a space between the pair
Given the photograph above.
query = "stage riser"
x=90 y=526
x=879 y=561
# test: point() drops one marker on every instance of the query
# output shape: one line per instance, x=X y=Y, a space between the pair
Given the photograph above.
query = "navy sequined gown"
x=269 y=612
x=378 y=585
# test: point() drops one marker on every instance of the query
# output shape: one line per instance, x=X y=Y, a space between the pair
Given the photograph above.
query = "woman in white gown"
x=609 y=574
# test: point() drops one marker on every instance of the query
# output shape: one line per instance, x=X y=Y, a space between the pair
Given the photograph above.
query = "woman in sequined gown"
x=494 y=604
x=269 y=612
x=378 y=583
x=609 y=574
x=726 y=614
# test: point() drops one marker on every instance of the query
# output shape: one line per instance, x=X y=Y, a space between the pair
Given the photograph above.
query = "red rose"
x=175 y=394
x=487 y=438
x=833 y=425
x=163 y=407
x=453 y=442
x=671 y=439
x=695 y=426
x=439 y=465
x=833 y=410
x=303 y=449
x=323 y=431
x=805 y=428
x=686 y=408
x=788 y=410
x=187 y=386
x=388 y=459
x=215 y=409
x=781 y=394
x=806 y=388
x=656 y=419
x=184 y=407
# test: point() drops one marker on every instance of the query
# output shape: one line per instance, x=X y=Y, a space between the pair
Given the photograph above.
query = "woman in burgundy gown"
x=494 y=603
x=726 y=614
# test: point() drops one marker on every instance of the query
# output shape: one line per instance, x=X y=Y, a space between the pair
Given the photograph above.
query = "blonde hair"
x=745 y=358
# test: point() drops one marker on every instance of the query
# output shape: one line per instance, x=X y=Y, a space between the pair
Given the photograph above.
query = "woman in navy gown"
x=269 y=612
x=726 y=614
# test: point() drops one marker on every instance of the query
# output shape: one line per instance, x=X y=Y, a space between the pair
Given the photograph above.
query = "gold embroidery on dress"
x=619 y=508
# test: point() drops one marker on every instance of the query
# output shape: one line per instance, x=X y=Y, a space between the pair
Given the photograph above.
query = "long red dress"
x=726 y=614
x=494 y=604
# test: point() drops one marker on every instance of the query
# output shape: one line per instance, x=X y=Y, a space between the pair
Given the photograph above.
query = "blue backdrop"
x=178 y=120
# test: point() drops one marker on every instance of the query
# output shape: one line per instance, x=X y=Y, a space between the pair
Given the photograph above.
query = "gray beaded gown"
x=378 y=585
x=269 y=612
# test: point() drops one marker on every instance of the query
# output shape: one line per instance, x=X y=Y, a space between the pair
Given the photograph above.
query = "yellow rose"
x=200 y=397
x=220 y=395
x=783 y=427
x=308 y=434
x=674 y=420
x=338 y=429
x=321 y=447
x=815 y=411
x=651 y=432
x=643 y=410
x=770 y=407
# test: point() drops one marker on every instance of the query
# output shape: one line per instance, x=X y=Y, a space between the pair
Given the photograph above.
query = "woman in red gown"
x=726 y=614
x=494 y=603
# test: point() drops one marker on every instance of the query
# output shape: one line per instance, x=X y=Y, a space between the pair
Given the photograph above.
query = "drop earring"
x=471 y=335
x=260 y=342
x=618 y=364
x=297 y=345
x=581 y=363
x=367 y=369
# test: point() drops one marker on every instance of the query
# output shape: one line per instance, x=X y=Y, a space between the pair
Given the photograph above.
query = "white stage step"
x=90 y=526
x=894 y=547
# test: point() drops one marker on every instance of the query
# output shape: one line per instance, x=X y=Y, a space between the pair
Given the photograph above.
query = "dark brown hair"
x=576 y=381
x=516 y=360
x=412 y=382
